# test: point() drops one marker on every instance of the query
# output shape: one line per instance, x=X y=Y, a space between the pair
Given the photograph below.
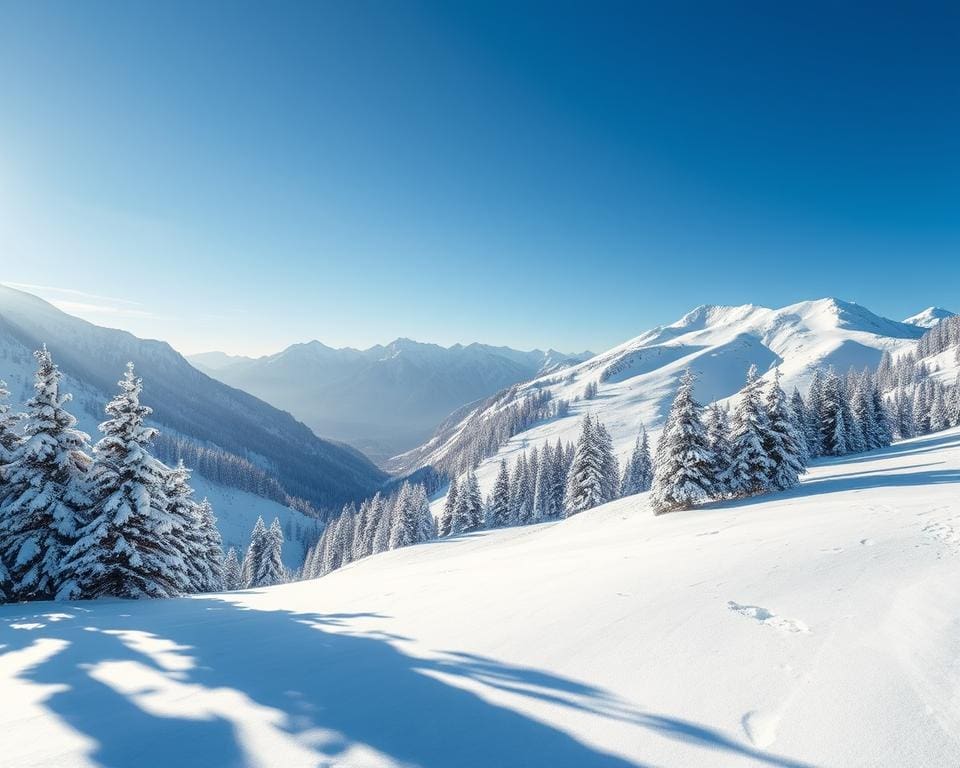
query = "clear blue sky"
x=244 y=175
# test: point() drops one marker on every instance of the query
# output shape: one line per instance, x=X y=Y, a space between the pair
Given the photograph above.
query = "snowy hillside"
x=819 y=627
x=185 y=401
x=636 y=381
x=385 y=399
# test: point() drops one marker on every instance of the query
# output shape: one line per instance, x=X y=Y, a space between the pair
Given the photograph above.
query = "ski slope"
x=819 y=627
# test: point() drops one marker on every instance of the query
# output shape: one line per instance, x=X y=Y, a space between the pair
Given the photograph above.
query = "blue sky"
x=244 y=175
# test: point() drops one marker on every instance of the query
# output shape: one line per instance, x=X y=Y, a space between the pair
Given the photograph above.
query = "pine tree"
x=468 y=516
x=833 y=426
x=426 y=526
x=718 y=438
x=684 y=462
x=270 y=566
x=254 y=554
x=800 y=422
x=213 y=547
x=500 y=501
x=609 y=466
x=449 y=505
x=586 y=484
x=750 y=467
x=231 y=571
x=815 y=415
x=132 y=545
x=185 y=528
x=542 y=489
x=384 y=518
x=782 y=441
x=43 y=491
x=403 y=532
x=939 y=420
x=522 y=487
x=638 y=471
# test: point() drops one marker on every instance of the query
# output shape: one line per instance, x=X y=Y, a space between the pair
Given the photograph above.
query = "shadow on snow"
x=205 y=682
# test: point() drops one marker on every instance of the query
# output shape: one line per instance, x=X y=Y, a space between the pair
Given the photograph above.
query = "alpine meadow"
x=479 y=385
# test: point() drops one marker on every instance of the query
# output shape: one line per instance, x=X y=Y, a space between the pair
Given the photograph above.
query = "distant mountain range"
x=929 y=317
x=186 y=402
x=386 y=399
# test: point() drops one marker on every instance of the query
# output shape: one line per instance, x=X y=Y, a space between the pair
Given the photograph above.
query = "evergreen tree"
x=750 y=467
x=500 y=500
x=270 y=566
x=449 y=505
x=610 y=467
x=254 y=554
x=543 y=491
x=426 y=526
x=800 y=422
x=43 y=490
x=381 y=536
x=782 y=443
x=718 y=438
x=522 y=487
x=815 y=415
x=939 y=420
x=403 y=532
x=559 y=479
x=185 y=529
x=586 y=484
x=468 y=516
x=231 y=571
x=213 y=547
x=133 y=545
x=684 y=464
x=833 y=427
x=637 y=475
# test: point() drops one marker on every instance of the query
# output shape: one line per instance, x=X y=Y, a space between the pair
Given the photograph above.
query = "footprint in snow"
x=769 y=618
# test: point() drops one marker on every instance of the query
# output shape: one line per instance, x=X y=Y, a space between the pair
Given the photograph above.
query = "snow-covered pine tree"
x=132 y=545
x=254 y=554
x=403 y=532
x=185 y=529
x=718 y=438
x=750 y=466
x=833 y=427
x=558 y=478
x=231 y=571
x=369 y=527
x=782 y=442
x=637 y=473
x=43 y=492
x=468 y=516
x=814 y=414
x=384 y=518
x=445 y=522
x=213 y=546
x=610 y=467
x=426 y=526
x=586 y=484
x=684 y=465
x=939 y=420
x=542 y=489
x=500 y=499
x=522 y=488
x=270 y=567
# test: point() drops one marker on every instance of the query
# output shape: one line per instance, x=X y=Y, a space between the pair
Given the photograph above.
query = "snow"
x=820 y=626
x=638 y=379
x=929 y=317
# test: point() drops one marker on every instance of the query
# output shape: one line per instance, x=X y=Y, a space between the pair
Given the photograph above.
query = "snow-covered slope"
x=185 y=403
x=385 y=399
x=637 y=380
x=819 y=627
x=929 y=317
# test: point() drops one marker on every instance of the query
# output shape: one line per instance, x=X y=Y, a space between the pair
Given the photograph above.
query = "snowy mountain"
x=385 y=399
x=816 y=627
x=186 y=403
x=929 y=317
x=636 y=381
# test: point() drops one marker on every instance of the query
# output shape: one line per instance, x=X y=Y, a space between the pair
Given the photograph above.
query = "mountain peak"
x=929 y=317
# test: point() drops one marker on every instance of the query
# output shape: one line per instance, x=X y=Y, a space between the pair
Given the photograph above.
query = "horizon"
x=358 y=172
x=70 y=308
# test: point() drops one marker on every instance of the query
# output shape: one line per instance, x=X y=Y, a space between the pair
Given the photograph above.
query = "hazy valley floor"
x=817 y=627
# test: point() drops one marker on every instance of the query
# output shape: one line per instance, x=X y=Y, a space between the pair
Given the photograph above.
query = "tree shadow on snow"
x=206 y=682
